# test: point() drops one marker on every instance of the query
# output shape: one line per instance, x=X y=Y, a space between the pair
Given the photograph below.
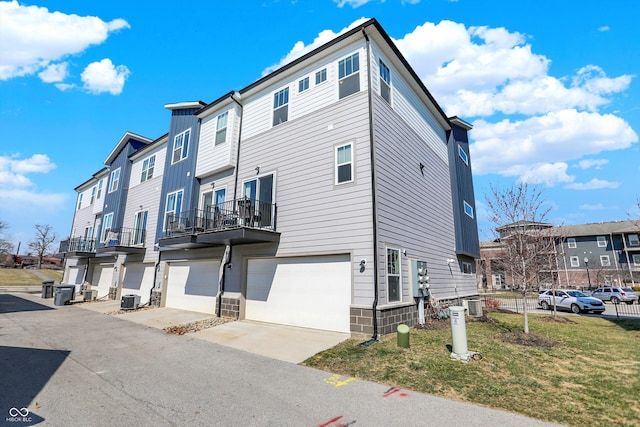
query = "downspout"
x=228 y=251
x=155 y=275
x=373 y=191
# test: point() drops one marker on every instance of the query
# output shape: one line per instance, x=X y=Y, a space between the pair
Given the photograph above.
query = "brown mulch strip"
x=197 y=326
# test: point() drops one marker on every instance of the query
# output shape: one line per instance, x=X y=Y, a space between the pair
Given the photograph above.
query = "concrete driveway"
x=286 y=343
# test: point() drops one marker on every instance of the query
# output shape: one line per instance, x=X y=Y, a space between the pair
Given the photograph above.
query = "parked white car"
x=569 y=299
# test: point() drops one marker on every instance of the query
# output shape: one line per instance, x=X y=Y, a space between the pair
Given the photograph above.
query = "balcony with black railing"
x=237 y=221
x=77 y=247
x=122 y=240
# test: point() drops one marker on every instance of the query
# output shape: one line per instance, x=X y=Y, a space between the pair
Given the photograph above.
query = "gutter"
x=374 y=217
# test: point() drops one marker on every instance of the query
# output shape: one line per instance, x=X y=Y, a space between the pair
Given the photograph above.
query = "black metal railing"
x=77 y=244
x=232 y=214
x=123 y=237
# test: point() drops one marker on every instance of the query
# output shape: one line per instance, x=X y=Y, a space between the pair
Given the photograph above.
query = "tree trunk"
x=524 y=297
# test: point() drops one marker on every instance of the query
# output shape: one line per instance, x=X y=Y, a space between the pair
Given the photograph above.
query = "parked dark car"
x=615 y=294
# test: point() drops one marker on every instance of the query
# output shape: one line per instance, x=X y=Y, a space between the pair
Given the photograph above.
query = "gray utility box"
x=47 y=289
x=129 y=302
x=64 y=294
x=90 y=294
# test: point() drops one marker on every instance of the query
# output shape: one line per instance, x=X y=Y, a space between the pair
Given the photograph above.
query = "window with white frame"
x=173 y=207
x=221 y=128
x=107 y=223
x=114 y=180
x=348 y=75
x=602 y=241
x=636 y=260
x=468 y=209
x=633 y=240
x=321 y=76
x=385 y=82
x=344 y=164
x=575 y=261
x=147 y=168
x=99 y=194
x=303 y=84
x=605 y=261
x=79 y=202
x=463 y=155
x=140 y=227
x=281 y=106
x=467 y=268
x=571 y=243
x=393 y=274
x=181 y=146
x=93 y=194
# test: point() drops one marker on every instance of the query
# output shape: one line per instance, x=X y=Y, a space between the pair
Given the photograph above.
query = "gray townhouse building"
x=312 y=197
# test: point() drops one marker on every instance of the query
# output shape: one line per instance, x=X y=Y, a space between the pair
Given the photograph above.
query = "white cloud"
x=33 y=37
x=54 y=73
x=590 y=163
x=40 y=163
x=353 y=3
x=13 y=172
x=594 y=184
x=604 y=28
x=548 y=174
x=17 y=200
x=103 y=76
x=588 y=207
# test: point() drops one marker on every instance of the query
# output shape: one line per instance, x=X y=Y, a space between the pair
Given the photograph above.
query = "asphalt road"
x=73 y=367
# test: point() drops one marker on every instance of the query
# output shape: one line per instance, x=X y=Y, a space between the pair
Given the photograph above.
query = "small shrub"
x=492 y=303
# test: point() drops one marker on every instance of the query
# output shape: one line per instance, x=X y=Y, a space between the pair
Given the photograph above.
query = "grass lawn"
x=588 y=375
x=26 y=277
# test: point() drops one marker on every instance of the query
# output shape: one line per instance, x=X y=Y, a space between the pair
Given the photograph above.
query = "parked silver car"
x=570 y=299
x=615 y=294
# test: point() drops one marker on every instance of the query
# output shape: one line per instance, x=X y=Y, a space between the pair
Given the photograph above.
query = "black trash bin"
x=63 y=294
x=47 y=289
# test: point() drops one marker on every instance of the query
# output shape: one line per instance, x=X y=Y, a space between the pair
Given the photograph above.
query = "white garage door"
x=310 y=292
x=102 y=276
x=193 y=285
x=75 y=275
x=138 y=280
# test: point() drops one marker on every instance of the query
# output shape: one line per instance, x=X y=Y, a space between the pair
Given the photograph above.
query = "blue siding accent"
x=466 y=228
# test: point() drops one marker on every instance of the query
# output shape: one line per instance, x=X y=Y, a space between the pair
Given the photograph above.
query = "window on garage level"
x=393 y=274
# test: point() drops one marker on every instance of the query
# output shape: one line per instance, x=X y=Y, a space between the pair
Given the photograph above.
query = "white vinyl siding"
x=215 y=155
x=159 y=156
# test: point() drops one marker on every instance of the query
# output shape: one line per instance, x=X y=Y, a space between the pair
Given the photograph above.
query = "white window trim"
x=319 y=73
x=183 y=153
x=103 y=230
x=301 y=82
x=604 y=263
x=99 y=193
x=114 y=187
x=467 y=205
x=219 y=129
x=79 y=202
x=463 y=155
x=602 y=241
x=571 y=243
x=386 y=269
x=144 y=174
x=350 y=56
x=575 y=261
x=166 y=205
x=635 y=241
x=336 y=165
x=93 y=194
x=464 y=263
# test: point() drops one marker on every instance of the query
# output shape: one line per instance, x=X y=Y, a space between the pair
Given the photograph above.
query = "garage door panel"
x=102 y=277
x=306 y=292
x=138 y=280
x=76 y=275
x=193 y=285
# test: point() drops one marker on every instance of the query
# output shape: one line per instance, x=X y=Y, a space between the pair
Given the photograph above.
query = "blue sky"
x=551 y=87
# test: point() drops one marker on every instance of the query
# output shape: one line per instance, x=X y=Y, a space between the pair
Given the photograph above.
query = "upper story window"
x=571 y=243
x=303 y=84
x=147 y=168
x=344 y=164
x=181 y=146
x=321 y=76
x=93 y=194
x=636 y=260
x=114 y=180
x=79 y=202
x=348 y=75
x=602 y=241
x=281 y=106
x=107 y=223
x=463 y=155
x=99 y=193
x=633 y=240
x=467 y=268
x=575 y=261
x=468 y=209
x=385 y=82
x=221 y=127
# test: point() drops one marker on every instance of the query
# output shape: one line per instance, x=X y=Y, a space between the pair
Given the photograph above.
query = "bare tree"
x=45 y=236
x=6 y=247
x=520 y=217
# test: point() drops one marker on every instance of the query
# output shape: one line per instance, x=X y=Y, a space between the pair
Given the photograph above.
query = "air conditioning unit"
x=90 y=295
x=475 y=307
x=130 y=302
